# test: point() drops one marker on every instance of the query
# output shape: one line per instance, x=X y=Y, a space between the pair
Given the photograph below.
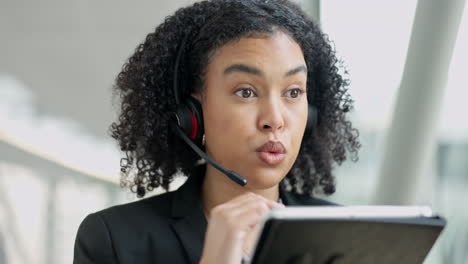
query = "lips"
x=271 y=153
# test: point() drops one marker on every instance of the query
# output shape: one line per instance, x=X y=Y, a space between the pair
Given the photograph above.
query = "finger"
x=248 y=218
x=237 y=201
x=255 y=203
x=237 y=205
x=257 y=208
x=273 y=204
x=251 y=195
x=246 y=196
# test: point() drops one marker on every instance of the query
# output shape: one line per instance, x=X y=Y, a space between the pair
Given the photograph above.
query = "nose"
x=271 y=116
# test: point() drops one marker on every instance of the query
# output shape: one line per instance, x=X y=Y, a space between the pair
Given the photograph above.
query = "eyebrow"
x=298 y=69
x=255 y=71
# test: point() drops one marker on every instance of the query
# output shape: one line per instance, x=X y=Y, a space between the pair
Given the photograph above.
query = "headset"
x=187 y=121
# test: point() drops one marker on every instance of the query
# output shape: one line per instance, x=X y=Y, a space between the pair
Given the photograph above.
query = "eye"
x=294 y=93
x=245 y=93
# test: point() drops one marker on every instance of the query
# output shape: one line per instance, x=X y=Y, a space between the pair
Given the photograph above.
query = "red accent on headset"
x=193 y=134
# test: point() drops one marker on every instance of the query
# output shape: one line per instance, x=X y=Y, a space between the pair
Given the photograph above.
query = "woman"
x=255 y=85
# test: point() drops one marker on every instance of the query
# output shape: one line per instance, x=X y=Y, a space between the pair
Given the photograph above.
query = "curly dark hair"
x=153 y=155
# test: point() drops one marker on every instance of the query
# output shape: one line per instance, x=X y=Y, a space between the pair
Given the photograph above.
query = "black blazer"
x=168 y=228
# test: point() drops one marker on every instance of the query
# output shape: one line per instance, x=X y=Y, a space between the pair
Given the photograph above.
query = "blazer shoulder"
x=138 y=214
x=154 y=205
x=93 y=243
x=103 y=235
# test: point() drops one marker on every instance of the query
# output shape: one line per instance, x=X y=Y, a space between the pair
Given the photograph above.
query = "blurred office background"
x=58 y=60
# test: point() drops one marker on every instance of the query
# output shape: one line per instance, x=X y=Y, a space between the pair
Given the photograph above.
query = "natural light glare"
x=62 y=140
x=372 y=38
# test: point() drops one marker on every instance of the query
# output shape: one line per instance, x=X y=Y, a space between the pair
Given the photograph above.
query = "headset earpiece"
x=189 y=117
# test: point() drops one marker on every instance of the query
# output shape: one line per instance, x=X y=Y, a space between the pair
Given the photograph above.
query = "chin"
x=264 y=178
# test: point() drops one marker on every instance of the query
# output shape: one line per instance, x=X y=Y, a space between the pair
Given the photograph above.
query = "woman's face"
x=255 y=92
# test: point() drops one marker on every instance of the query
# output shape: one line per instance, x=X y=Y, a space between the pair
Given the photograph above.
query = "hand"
x=229 y=225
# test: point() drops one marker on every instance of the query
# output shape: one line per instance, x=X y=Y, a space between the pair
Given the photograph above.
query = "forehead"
x=269 y=52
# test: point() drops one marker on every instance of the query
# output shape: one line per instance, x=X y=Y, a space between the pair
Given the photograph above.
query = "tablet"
x=353 y=234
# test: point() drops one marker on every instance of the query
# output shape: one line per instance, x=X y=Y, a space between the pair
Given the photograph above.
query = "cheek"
x=226 y=127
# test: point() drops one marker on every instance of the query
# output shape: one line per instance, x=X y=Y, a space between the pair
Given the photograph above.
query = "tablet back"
x=354 y=240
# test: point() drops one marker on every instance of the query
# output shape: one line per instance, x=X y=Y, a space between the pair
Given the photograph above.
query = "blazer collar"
x=187 y=211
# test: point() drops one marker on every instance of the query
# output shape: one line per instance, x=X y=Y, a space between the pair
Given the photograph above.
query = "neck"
x=217 y=189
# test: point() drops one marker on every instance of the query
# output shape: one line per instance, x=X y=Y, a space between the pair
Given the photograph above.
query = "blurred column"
x=411 y=138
